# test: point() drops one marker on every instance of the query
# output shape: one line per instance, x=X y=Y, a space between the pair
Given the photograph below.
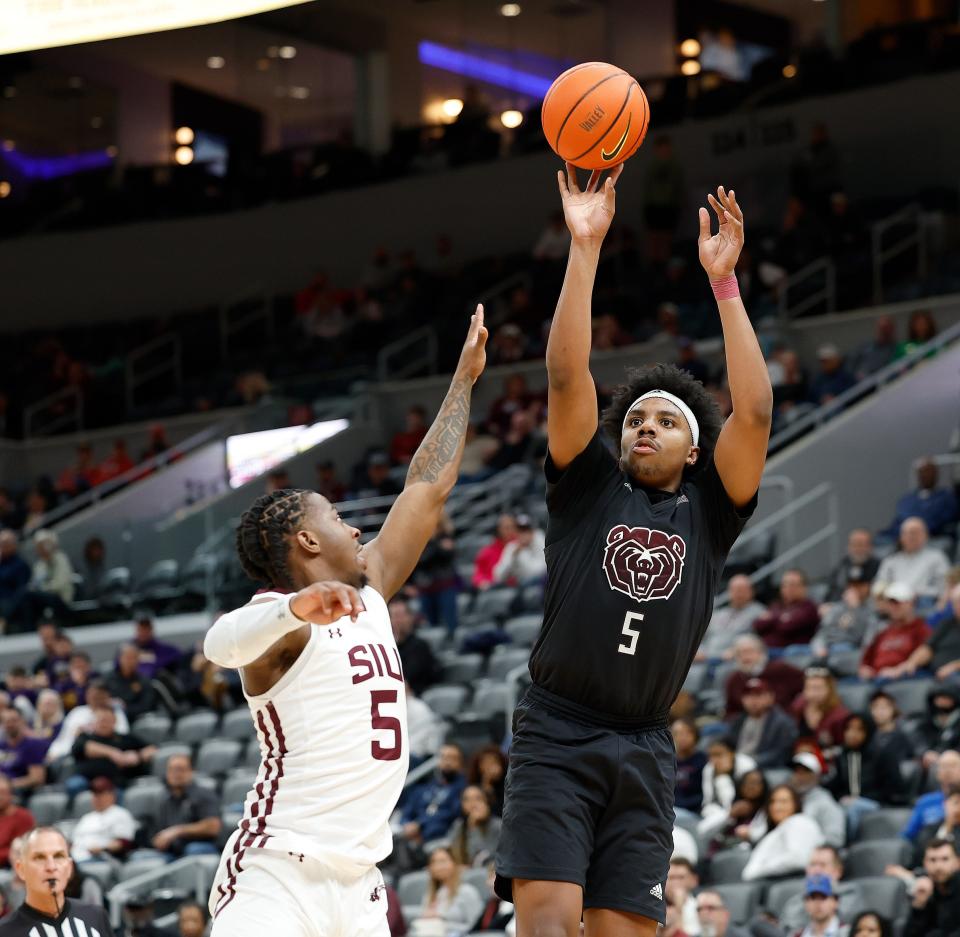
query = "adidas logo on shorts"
x=657 y=892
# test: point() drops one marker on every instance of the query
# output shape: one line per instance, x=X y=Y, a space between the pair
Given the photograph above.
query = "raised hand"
x=325 y=602
x=719 y=252
x=589 y=213
x=473 y=358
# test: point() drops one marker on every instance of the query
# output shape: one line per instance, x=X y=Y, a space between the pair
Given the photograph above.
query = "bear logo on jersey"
x=643 y=563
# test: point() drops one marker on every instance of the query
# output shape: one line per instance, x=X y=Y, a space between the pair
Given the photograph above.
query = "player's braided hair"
x=262 y=536
x=670 y=378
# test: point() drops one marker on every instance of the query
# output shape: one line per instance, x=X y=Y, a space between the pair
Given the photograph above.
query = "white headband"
x=678 y=403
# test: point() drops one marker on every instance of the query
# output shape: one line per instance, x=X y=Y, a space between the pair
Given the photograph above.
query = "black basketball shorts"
x=590 y=805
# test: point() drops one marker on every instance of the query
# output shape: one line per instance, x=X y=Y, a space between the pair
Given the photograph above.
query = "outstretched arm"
x=393 y=554
x=571 y=395
x=741 y=450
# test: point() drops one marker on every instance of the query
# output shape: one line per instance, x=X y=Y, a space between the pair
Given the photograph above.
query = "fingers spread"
x=572 y=183
x=562 y=184
x=734 y=206
x=616 y=174
x=704 y=225
x=594 y=179
x=717 y=207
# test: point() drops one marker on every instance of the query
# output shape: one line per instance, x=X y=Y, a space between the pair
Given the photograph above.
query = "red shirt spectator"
x=750 y=659
x=14 y=820
x=792 y=620
x=404 y=445
x=905 y=633
x=515 y=397
x=489 y=556
x=81 y=476
x=117 y=462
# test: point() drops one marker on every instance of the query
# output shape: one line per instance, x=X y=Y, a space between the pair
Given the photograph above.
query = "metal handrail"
x=414 y=364
x=75 y=416
x=823 y=266
x=122 y=890
x=230 y=324
x=869 y=384
x=880 y=255
x=172 y=365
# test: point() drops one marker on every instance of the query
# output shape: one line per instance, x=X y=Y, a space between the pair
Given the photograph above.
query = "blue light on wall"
x=54 y=167
x=483 y=69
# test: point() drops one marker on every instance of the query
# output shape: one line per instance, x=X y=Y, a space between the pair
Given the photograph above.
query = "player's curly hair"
x=262 y=543
x=670 y=378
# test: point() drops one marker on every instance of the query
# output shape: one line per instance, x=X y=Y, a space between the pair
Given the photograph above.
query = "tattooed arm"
x=393 y=554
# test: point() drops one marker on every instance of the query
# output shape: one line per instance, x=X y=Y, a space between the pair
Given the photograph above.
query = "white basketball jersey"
x=333 y=745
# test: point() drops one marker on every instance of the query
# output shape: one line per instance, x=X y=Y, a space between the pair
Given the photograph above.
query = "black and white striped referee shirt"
x=76 y=920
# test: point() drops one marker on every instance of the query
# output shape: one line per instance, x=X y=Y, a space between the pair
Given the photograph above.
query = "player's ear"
x=693 y=455
x=308 y=541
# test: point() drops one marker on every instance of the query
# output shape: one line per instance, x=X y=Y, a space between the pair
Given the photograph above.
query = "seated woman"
x=748 y=805
x=474 y=836
x=488 y=769
x=449 y=906
x=784 y=838
x=690 y=764
x=870 y=924
x=820 y=712
x=721 y=775
x=48 y=719
x=866 y=775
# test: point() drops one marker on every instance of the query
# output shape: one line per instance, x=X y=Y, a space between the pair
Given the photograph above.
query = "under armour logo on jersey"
x=375 y=894
x=335 y=632
x=642 y=563
x=657 y=892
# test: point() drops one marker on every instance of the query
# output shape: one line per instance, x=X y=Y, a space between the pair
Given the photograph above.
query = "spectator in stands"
x=876 y=354
x=763 y=731
x=420 y=667
x=948 y=828
x=108 y=829
x=784 y=837
x=52 y=579
x=73 y=691
x=376 y=481
x=885 y=713
x=489 y=555
x=935 y=506
x=920 y=329
x=105 y=752
x=425 y=728
x=127 y=685
x=191 y=919
x=474 y=835
x=845 y=625
x=515 y=397
x=56 y=664
x=404 y=444
x=518 y=443
x=939 y=730
x=14 y=581
x=929 y=808
x=690 y=764
x=432 y=805
x=794 y=618
x=117 y=463
x=23 y=694
x=154 y=656
x=870 y=924
x=682 y=879
x=21 y=757
x=941 y=652
x=48 y=718
x=479 y=447
x=522 y=561
x=436 y=579
x=509 y=344
x=731 y=621
x=820 y=907
x=187 y=821
x=14 y=820
x=81 y=476
x=833 y=378
x=488 y=770
x=818 y=802
x=137 y=917
x=328 y=484
x=83 y=717
x=858 y=563
x=721 y=778
x=684 y=845
x=94 y=567
x=751 y=660
x=675 y=899
x=714 y=916
x=553 y=245
x=458 y=904
x=887 y=654
x=819 y=711
x=824 y=861
x=37 y=505
x=664 y=194
x=922 y=567
x=935 y=898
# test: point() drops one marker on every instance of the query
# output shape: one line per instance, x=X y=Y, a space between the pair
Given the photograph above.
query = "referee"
x=45 y=867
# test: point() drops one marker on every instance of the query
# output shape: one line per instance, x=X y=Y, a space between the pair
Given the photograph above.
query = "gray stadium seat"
x=159 y=766
x=696 y=678
x=504 y=659
x=412 y=887
x=868 y=859
x=238 y=724
x=196 y=727
x=477 y=878
x=462 y=668
x=235 y=790
x=533 y=598
x=855 y=696
x=48 y=807
x=435 y=637
x=885 y=823
x=82 y=803
x=104 y=872
x=779 y=893
x=728 y=865
x=115 y=588
x=160 y=585
x=490 y=699
x=218 y=756
x=251 y=757
x=154 y=728
x=470 y=731
x=137 y=867
x=143 y=801
x=885 y=895
x=524 y=629
x=911 y=695
x=446 y=699
x=494 y=603
x=741 y=899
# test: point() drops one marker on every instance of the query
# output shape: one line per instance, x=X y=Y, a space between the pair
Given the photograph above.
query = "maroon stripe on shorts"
x=228 y=890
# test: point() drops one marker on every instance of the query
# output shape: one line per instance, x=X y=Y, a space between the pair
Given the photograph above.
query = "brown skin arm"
x=394 y=553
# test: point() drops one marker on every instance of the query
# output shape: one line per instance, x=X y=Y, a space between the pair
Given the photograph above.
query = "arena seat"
x=477 y=878
x=82 y=803
x=48 y=807
x=104 y=872
x=217 y=756
x=911 y=695
x=494 y=603
x=446 y=699
x=779 y=893
x=154 y=728
x=885 y=823
x=235 y=790
x=412 y=887
x=462 y=668
x=160 y=586
x=137 y=867
x=435 y=637
x=196 y=727
x=504 y=659
x=855 y=696
x=489 y=699
x=238 y=725
x=884 y=894
x=727 y=866
x=741 y=899
x=869 y=859
x=524 y=629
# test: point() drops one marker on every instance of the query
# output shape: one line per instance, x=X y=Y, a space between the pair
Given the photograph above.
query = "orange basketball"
x=595 y=115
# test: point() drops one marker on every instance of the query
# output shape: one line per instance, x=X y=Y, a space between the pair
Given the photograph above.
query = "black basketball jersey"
x=75 y=920
x=631 y=579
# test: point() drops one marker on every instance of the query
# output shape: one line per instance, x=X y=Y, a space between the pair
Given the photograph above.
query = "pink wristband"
x=726 y=288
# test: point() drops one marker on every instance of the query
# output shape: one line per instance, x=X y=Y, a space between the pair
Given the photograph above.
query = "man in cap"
x=887 y=654
x=820 y=903
x=818 y=803
x=522 y=560
x=833 y=378
x=763 y=731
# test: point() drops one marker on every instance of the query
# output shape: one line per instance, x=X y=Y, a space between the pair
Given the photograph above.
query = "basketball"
x=595 y=115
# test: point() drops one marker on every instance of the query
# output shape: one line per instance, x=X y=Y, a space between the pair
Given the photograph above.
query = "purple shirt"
x=156 y=656
x=16 y=759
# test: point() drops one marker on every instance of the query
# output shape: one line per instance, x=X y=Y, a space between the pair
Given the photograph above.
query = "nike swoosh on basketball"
x=615 y=152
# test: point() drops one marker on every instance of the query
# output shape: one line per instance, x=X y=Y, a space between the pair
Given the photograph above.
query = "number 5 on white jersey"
x=631 y=632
